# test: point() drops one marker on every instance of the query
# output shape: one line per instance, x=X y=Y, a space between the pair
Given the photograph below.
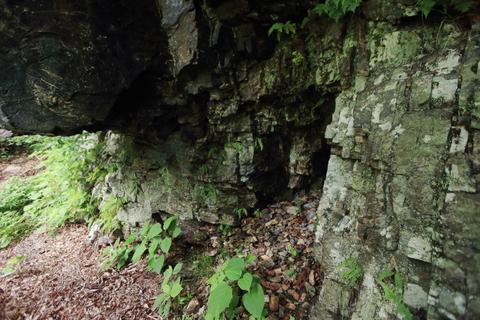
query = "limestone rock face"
x=402 y=188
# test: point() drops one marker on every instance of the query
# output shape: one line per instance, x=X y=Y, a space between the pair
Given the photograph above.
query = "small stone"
x=295 y=295
x=281 y=312
x=306 y=306
x=192 y=306
x=311 y=278
x=310 y=215
x=273 y=303
x=12 y=169
x=291 y=209
x=309 y=205
x=290 y=306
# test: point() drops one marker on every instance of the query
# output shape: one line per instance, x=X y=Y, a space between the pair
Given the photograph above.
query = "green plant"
x=208 y=192
x=299 y=204
x=292 y=274
x=211 y=152
x=395 y=293
x=108 y=212
x=229 y=282
x=202 y=265
x=171 y=287
x=293 y=251
x=258 y=143
x=287 y=28
x=258 y=213
x=335 y=9
x=60 y=192
x=319 y=103
x=151 y=238
x=225 y=228
x=459 y=5
x=5 y=155
x=352 y=273
x=297 y=57
x=348 y=277
x=237 y=145
x=204 y=170
x=240 y=211
x=13 y=265
x=315 y=224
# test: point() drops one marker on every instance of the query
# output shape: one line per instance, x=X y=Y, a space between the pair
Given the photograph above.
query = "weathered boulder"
x=64 y=63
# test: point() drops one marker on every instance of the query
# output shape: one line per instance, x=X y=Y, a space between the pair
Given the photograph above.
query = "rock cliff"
x=210 y=117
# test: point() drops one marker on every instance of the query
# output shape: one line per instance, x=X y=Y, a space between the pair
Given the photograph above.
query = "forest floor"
x=57 y=276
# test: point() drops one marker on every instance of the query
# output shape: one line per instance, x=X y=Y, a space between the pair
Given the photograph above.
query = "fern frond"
x=461 y=5
x=353 y=273
x=384 y=275
x=398 y=282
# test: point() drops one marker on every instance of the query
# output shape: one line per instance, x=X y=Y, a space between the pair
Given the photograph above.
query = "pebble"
x=311 y=277
x=12 y=169
x=309 y=205
x=192 y=306
x=273 y=303
x=291 y=209
x=310 y=215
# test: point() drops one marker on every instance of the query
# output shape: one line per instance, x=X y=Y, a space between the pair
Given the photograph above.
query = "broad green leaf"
x=176 y=232
x=170 y=223
x=152 y=249
x=154 y=231
x=166 y=244
x=156 y=264
x=233 y=273
x=304 y=22
x=166 y=288
x=245 y=282
x=276 y=26
x=177 y=268
x=167 y=274
x=219 y=299
x=235 y=263
x=166 y=310
x=130 y=239
x=254 y=300
x=176 y=289
x=232 y=309
x=250 y=258
x=138 y=253
x=145 y=228
x=161 y=297
x=121 y=263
